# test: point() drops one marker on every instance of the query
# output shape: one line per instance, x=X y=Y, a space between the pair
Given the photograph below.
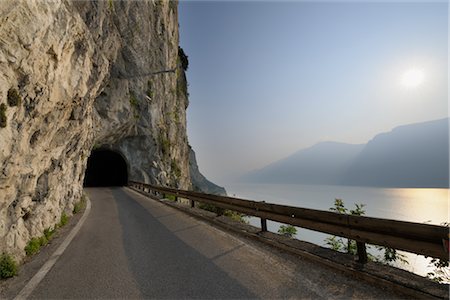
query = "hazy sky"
x=268 y=78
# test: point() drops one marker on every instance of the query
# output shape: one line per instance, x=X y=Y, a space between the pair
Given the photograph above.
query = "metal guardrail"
x=425 y=239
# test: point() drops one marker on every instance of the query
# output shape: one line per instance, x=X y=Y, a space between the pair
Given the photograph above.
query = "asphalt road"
x=134 y=247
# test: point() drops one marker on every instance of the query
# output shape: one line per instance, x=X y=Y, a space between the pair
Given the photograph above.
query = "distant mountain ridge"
x=415 y=155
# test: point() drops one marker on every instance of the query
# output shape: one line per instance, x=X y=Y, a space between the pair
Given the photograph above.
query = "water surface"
x=406 y=204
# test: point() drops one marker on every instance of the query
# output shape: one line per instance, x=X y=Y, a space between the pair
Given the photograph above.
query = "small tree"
x=339 y=244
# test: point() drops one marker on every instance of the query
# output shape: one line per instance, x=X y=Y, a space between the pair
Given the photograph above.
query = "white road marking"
x=37 y=278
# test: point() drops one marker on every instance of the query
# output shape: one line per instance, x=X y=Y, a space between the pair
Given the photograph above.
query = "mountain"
x=322 y=163
x=415 y=155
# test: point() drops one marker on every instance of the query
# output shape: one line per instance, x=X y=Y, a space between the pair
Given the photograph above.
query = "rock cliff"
x=77 y=76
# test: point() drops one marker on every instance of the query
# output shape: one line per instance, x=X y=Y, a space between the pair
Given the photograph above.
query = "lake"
x=406 y=204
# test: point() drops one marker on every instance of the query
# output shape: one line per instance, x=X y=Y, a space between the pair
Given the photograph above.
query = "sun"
x=413 y=78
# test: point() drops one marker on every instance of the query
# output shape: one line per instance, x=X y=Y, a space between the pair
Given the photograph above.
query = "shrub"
x=183 y=58
x=287 y=230
x=8 y=267
x=3 y=119
x=236 y=216
x=13 y=97
x=171 y=197
x=212 y=208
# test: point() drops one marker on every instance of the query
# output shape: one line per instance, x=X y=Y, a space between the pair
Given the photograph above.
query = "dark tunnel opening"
x=106 y=168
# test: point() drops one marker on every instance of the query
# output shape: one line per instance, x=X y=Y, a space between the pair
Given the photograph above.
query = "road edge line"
x=37 y=278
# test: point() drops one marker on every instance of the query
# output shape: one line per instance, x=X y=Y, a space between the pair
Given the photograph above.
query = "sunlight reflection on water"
x=406 y=204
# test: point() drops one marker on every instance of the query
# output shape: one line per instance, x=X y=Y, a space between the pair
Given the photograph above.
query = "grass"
x=164 y=144
x=175 y=169
x=234 y=215
x=63 y=220
x=36 y=243
x=8 y=266
x=134 y=103
x=79 y=205
x=48 y=233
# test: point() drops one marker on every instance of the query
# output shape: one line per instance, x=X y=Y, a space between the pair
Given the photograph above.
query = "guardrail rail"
x=425 y=239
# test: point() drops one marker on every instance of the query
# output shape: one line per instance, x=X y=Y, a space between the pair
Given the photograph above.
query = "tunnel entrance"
x=106 y=168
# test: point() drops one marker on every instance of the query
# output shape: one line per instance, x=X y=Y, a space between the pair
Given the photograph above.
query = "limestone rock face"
x=199 y=182
x=88 y=75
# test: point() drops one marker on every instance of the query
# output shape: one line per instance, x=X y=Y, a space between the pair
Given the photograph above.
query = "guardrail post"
x=263 y=224
x=362 y=252
x=263 y=221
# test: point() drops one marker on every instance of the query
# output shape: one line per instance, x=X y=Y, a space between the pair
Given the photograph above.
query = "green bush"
x=287 y=230
x=3 y=119
x=13 y=97
x=8 y=267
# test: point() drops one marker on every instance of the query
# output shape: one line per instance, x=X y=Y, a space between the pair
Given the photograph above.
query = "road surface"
x=133 y=247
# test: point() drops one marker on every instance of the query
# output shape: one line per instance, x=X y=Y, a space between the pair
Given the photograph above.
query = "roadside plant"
x=63 y=220
x=288 y=231
x=441 y=272
x=390 y=256
x=79 y=205
x=34 y=245
x=48 y=233
x=8 y=266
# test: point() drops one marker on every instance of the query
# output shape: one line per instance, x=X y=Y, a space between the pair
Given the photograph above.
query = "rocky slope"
x=199 y=182
x=76 y=76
